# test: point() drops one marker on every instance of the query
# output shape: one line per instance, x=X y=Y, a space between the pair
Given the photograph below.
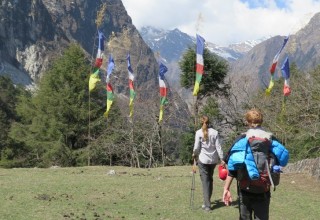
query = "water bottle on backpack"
x=275 y=174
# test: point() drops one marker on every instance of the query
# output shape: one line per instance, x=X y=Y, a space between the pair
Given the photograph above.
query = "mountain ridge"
x=33 y=33
x=303 y=49
x=172 y=43
x=250 y=61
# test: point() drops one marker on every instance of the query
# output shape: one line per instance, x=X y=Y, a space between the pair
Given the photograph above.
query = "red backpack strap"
x=251 y=139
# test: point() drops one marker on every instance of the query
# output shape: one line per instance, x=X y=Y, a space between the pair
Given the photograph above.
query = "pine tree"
x=55 y=119
x=212 y=85
x=8 y=99
x=215 y=71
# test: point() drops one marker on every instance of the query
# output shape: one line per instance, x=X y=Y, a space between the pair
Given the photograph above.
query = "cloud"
x=223 y=22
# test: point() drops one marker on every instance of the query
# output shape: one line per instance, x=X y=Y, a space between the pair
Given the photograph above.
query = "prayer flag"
x=131 y=87
x=94 y=77
x=199 y=66
x=276 y=57
x=110 y=66
x=163 y=89
x=274 y=65
x=286 y=75
x=110 y=95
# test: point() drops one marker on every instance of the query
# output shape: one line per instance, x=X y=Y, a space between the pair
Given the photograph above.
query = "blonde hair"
x=205 y=123
x=254 y=118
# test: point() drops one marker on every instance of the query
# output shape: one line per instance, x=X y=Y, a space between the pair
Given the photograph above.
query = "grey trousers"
x=206 y=176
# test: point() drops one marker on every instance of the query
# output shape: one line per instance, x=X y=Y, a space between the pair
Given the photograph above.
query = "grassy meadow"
x=131 y=193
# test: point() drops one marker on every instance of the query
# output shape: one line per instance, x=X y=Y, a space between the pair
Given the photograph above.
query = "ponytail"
x=205 y=123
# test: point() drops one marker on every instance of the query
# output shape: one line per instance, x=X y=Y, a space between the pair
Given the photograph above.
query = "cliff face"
x=26 y=31
x=304 y=47
x=33 y=32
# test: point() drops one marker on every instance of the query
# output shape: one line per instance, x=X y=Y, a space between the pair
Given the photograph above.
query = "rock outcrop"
x=307 y=166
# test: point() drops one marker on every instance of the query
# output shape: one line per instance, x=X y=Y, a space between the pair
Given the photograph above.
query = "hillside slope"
x=251 y=72
x=33 y=33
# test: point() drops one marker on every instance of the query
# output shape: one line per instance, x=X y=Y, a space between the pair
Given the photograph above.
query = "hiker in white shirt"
x=207 y=149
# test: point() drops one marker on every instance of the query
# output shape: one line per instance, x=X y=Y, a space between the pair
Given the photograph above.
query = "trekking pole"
x=193 y=183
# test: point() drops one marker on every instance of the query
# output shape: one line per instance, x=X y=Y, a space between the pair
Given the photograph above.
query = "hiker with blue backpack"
x=254 y=160
x=207 y=149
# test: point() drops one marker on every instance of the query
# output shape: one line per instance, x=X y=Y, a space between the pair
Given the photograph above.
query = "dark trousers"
x=256 y=204
x=206 y=176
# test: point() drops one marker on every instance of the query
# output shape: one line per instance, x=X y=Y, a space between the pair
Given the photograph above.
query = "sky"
x=224 y=22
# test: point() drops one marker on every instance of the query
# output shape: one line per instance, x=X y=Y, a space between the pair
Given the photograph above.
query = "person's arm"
x=219 y=150
x=226 y=197
x=196 y=146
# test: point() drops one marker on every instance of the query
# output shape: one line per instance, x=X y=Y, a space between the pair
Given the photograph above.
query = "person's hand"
x=194 y=156
x=222 y=163
x=226 y=197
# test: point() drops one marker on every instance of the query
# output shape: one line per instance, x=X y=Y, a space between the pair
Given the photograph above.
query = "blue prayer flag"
x=285 y=69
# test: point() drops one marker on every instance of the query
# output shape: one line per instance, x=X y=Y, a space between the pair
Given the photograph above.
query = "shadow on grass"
x=218 y=204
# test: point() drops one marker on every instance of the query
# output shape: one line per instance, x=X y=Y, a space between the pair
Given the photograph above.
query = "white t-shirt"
x=210 y=151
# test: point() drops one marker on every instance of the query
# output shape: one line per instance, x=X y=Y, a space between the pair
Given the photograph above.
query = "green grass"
x=159 y=193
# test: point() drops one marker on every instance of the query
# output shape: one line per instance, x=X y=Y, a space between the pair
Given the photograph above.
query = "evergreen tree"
x=54 y=121
x=212 y=85
x=211 y=109
x=8 y=99
x=215 y=71
x=187 y=146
